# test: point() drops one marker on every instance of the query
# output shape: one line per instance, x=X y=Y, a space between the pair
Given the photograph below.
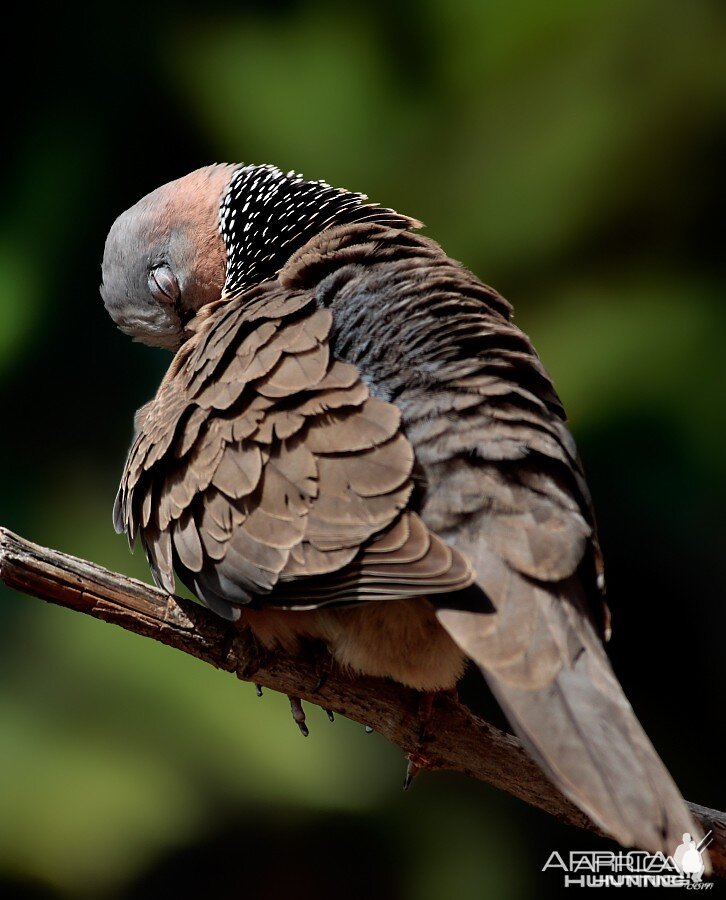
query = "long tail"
x=549 y=671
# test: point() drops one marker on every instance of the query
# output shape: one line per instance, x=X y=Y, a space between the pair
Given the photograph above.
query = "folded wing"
x=264 y=461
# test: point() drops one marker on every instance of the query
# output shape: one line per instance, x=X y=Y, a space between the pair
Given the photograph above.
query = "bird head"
x=165 y=257
x=221 y=229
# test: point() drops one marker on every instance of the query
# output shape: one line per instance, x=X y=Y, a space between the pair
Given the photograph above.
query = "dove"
x=355 y=445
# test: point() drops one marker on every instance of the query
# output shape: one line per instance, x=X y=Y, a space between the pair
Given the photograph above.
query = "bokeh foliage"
x=570 y=153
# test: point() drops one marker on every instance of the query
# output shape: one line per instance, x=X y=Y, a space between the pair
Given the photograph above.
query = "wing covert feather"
x=264 y=460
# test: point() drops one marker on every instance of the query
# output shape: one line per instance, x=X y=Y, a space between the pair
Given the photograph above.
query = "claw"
x=416 y=762
x=325 y=667
x=369 y=729
x=258 y=688
x=412 y=771
x=298 y=714
x=330 y=714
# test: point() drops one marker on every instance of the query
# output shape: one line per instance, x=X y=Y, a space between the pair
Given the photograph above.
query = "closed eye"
x=163 y=285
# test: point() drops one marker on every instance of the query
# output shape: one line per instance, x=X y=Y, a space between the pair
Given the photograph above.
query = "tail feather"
x=540 y=654
x=592 y=747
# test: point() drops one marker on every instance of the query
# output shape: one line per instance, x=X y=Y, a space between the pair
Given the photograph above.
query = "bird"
x=354 y=444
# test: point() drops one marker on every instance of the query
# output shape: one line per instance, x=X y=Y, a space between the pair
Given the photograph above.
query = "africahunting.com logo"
x=634 y=868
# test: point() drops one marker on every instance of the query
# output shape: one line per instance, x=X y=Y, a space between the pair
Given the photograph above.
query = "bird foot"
x=298 y=714
x=324 y=663
x=427 y=699
x=425 y=711
x=416 y=762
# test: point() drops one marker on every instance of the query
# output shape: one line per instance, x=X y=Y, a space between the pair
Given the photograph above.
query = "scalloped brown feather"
x=267 y=461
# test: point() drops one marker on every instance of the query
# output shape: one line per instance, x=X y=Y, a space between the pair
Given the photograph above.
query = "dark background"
x=570 y=154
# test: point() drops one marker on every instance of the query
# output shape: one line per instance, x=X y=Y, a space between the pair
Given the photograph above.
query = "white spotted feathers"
x=266 y=215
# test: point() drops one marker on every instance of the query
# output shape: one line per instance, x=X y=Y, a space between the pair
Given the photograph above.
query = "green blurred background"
x=570 y=153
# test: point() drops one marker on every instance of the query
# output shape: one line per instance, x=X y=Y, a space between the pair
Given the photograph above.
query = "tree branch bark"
x=461 y=742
